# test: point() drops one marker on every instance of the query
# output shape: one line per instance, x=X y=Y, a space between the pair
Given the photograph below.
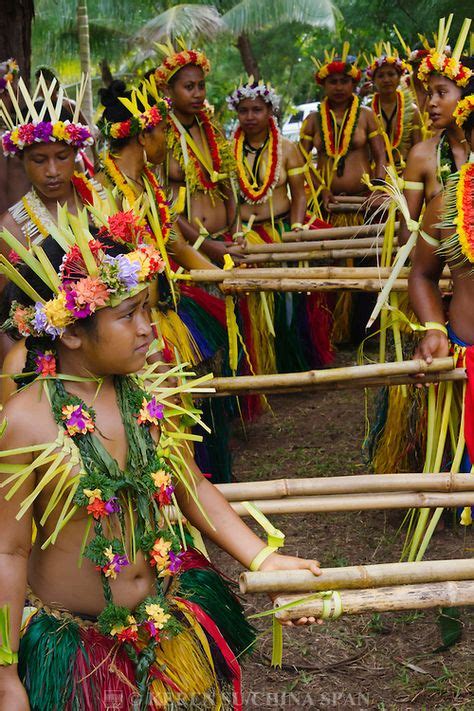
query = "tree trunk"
x=15 y=33
x=85 y=57
x=247 y=56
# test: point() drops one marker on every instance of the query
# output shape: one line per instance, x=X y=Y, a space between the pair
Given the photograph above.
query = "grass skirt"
x=67 y=663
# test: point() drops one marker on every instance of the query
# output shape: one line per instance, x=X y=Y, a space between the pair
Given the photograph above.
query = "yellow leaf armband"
x=435 y=326
x=296 y=171
x=7 y=655
x=275 y=537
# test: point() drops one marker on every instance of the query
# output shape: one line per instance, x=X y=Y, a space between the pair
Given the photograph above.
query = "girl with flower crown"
x=121 y=608
x=444 y=75
x=397 y=116
x=270 y=173
x=199 y=158
x=190 y=322
x=344 y=134
x=448 y=238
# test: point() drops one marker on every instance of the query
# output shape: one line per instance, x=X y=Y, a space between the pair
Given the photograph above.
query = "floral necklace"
x=337 y=139
x=202 y=172
x=117 y=178
x=248 y=176
x=111 y=495
x=35 y=219
x=458 y=213
x=395 y=123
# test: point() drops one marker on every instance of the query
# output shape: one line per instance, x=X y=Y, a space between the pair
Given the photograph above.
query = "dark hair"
x=114 y=110
x=48 y=74
x=55 y=254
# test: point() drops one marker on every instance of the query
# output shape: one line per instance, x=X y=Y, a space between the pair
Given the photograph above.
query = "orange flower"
x=91 y=291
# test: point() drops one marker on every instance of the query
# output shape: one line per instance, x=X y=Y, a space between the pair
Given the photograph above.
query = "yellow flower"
x=144 y=262
x=14 y=136
x=109 y=553
x=161 y=478
x=59 y=131
x=56 y=312
x=92 y=494
x=161 y=548
x=116 y=630
x=157 y=615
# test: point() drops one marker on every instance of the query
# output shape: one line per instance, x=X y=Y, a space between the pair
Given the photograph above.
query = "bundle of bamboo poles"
x=349 y=493
x=336 y=232
x=345 y=378
x=368 y=588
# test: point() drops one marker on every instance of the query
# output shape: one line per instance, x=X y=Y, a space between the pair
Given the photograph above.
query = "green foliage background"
x=283 y=53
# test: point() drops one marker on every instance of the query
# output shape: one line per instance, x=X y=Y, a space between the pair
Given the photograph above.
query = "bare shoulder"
x=29 y=418
x=423 y=149
x=311 y=122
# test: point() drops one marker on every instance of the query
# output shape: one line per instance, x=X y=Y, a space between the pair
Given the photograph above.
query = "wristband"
x=261 y=557
x=297 y=226
x=275 y=538
x=7 y=655
x=435 y=326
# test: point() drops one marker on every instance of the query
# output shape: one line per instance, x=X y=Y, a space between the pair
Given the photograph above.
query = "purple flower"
x=119 y=561
x=151 y=629
x=112 y=506
x=3 y=83
x=40 y=322
x=175 y=562
x=155 y=409
x=43 y=131
x=127 y=271
x=79 y=311
x=77 y=419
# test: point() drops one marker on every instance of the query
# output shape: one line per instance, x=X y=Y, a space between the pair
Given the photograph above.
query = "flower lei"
x=463 y=110
x=174 y=62
x=465 y=210
x=400 y=65
x=449 y=67
x=221 y=158
x=11 y=72
x=137 y=124
x=397 y=136
x=117 y=178
x=74 y=134
x=106 y=491
x=337 y=140
x=337 y=67
x=249 y=192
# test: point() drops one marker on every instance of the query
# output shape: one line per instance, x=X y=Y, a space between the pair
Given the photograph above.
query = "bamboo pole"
x=357 y=576
x=315 y=256
x=346 y=243
x=385 y=599
x=260 y=386
x=341 y=207
x=237 y=286
x=351 y=199
x=328 y=272
x=359 y=502
x=353 y=484
x=336 y=232
x=333 y=375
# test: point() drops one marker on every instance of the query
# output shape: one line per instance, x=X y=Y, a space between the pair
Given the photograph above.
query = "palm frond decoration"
x=186 y=20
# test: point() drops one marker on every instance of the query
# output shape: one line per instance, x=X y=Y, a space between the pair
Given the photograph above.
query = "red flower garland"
x=210 y=132
x=251 y=195
x=395 y=142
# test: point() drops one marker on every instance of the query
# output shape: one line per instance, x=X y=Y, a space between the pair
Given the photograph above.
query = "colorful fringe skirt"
x=67 y=664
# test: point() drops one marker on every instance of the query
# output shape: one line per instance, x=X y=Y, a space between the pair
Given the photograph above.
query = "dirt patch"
x=385 y=661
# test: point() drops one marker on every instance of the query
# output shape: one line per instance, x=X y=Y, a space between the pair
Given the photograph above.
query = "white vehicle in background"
x=292 y=127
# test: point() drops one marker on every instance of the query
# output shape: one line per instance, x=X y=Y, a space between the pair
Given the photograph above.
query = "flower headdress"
x=174 y=60
x=464 y=109
x=253 y=90
x=147 y=109
x=415 y=56
x=88 y=279
x=439 y=62
x=29 y=126
x=334 y=64
x=12 y=71
x=386 y=55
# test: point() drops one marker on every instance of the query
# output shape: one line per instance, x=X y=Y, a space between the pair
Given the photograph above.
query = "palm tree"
x=16 y=17
x=85 y=57
x=240 y=19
